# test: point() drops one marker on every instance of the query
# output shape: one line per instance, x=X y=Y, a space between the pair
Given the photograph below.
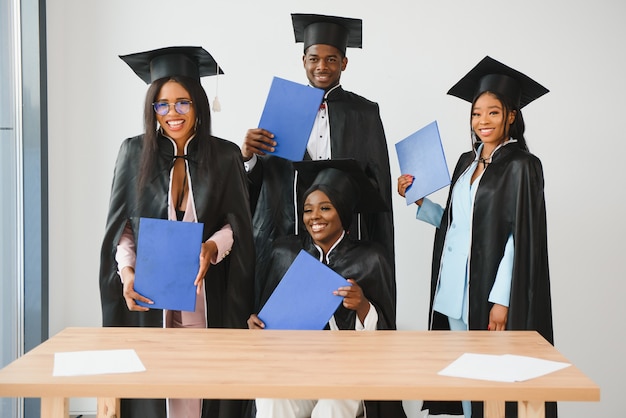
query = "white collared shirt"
x=319 y=140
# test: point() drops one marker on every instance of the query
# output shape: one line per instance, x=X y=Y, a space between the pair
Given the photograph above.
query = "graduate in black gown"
x=490 y=256
x=327 y=205
x=177 y=170
x=347 y=126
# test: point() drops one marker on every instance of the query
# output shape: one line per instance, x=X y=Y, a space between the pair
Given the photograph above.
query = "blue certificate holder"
x=304 y=299
x=421 y=155
x=168 y=259
x=289 y=113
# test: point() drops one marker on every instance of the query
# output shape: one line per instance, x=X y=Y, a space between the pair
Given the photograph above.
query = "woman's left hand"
x=354 y=299
x=498 y=317
x=207 y=253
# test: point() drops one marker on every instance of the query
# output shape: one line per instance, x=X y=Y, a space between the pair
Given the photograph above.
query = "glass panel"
x=10 y=195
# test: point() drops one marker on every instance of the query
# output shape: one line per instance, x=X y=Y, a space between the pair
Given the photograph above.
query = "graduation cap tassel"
x=217 y=107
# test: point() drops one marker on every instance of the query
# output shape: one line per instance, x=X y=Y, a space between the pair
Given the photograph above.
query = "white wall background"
x=413 y=52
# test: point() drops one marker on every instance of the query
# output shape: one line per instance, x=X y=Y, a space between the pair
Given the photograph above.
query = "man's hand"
x=257 y=141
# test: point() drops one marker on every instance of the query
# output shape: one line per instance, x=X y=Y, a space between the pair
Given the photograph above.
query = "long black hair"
x=514 y=130
x=150 y=151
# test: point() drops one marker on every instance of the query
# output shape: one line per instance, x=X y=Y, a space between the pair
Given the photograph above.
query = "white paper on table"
x=80 y=363
x=500 y=368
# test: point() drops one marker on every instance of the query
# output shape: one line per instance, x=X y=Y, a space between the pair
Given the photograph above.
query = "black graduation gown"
x=362 y=261
x=221 y=196
x=356 y=132
x=509 y=200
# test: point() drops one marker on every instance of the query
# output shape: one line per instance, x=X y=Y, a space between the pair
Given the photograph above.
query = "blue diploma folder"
x=303 y=300
x=168 y=259
x=289 y=113
x=421 y=155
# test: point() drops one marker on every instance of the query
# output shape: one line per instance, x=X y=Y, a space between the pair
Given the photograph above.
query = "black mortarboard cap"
x=188 y=61
x=491 y=75
x=345 y=176
x=340 y=32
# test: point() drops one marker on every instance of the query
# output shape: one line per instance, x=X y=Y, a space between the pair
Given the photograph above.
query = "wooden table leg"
x=55 y=407
x=494 y=409
x=108 y=408
x=531 y=409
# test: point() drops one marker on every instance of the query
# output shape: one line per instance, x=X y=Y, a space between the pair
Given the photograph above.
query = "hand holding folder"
x=421 y=155
x=289 y=113
x=304 y=299
x=168 y=259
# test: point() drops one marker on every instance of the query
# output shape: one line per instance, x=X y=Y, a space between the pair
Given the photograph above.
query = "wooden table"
x=245 y=364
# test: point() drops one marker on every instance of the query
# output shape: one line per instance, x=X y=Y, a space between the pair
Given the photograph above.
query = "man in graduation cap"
x=347 y=126
x=490 y=256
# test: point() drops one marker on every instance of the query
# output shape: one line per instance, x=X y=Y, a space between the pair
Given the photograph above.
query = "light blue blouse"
x=452 y=295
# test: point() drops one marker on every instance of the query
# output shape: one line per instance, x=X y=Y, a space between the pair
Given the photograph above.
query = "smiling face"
x=322 y=220
x=489 y=122
x=323 y=65
x=178 y=127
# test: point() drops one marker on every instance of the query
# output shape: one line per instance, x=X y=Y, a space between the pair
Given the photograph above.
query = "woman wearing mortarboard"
x=177 y=170
x=490 y=259
x=334 y=191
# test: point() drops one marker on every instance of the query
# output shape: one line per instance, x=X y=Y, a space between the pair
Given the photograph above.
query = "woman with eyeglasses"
x=178 y=171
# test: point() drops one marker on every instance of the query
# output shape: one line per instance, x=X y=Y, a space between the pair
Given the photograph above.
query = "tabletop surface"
x=244 y=364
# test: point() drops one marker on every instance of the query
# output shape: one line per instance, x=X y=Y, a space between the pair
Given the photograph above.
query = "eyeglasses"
x=182 y=107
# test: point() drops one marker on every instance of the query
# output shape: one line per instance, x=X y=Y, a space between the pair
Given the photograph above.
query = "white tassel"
x=217 y=107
